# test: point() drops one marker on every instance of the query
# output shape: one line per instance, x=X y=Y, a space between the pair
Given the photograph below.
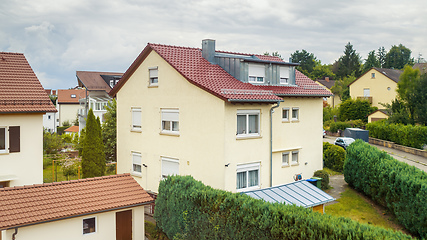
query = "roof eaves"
x=255 y=100
x=273 y=62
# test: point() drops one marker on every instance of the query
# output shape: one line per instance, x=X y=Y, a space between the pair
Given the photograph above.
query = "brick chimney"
x=208 y=50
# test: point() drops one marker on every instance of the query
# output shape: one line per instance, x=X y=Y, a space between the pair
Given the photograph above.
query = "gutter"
x=271 y=141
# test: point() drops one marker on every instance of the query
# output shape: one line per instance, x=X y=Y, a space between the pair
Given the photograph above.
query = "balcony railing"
x=366 y=98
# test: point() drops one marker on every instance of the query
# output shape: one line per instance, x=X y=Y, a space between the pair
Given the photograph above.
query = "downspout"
x=14 y=234
x=271 y=142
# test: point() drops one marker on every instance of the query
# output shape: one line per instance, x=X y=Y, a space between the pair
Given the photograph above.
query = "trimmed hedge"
x=325 y=178
x=335 y=126
x=406 y=135
x=187 y=209
x=394 y=184
x=333 y=157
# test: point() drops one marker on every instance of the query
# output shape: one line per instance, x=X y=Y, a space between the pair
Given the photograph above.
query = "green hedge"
x=394 y=184
x=334 y=157
x=406 y=135
x=335 y=126
x=187 y=209
x=325 y=178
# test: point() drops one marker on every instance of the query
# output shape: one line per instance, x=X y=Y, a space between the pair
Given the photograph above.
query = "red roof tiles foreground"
x=214 y=79
x=21 y=206
x=21 y=91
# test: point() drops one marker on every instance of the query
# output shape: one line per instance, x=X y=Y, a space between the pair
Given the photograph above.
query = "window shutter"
x=14 y=139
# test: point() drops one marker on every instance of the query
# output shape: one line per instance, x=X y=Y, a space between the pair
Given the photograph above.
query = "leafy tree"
x=371 y=62
x=53 y=98
x=341 y=88
x=398 y=112
x=355 y=109
x=420 y=103
x=306 y=60
x=66 y=123
x=76 y=121
x=321 y=71
x=398 y=57
x=406 y=87
x=52 y=142
x=381 y=56
x=349 y=63
x=109 y=132
x=274 y=54
x=93 y=156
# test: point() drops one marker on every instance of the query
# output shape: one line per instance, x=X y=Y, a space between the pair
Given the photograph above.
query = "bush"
x=52 y=142
x=334 y=158
x=325 y=178
x=406 y=135
x=187 y=209
x=326 y=145
x=352 y=109
x=335 y=126
x=394 y=184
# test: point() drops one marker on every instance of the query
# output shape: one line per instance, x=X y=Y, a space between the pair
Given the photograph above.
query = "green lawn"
x=354 y=206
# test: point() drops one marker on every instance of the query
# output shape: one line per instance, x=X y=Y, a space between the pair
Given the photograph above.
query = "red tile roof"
x=215 y=80
x=72 y=129
x=27 y=205
x=64 y=96
x=93 y=80
x=21 y=91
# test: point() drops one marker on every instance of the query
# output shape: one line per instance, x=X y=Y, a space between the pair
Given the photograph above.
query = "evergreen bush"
x=334 y=157
x=187 y=209
x=335 y=126
x=394 y=184
x=406 y=135
x=325 y=178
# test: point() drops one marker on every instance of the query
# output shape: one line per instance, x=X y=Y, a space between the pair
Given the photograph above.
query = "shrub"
x=187 y=209
x=334 y=158
x=52 y=142
x=326 y=145
x=325 y=178
x=394 y=184
x=335 y=126
x=406 y=135
x=352 y=109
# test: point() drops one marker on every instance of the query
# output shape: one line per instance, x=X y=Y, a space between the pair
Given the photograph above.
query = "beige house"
x=334 y=100
x=378 y=85
x=109 y=207
x=378 y=115
x=22 y=106
x=68 y=104
x=234 y=121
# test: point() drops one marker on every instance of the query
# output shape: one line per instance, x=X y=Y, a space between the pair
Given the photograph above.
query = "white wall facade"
x=49 y=122
x=72 y=228
x=24 y=167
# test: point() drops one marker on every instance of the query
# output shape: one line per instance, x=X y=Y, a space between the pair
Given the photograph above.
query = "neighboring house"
x=377 y=85
x=334 y=100
x=23 y=102
x=378 y=115
x=71 y=130
x=49 y=119
x=97 y=86
x=421 y=66
x=109 y=207
x=68 y=104
x=206 y=113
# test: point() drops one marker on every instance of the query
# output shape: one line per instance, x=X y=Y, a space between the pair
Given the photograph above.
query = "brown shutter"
x=14 y=139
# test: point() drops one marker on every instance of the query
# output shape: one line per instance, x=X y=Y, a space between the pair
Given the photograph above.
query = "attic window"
x=256 y=73
x=284 y=75
x=373 y=75
x=154 y=76
x=73 y=95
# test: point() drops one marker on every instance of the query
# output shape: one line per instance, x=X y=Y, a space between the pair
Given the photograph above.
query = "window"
x=248 y=122
x=372 y=75
x=366 y=92
x=295 y=114
x=170 y=167
x=295 y=157
x=256 y=73
x=247 y=176
x=111 y=83
x=99 y=106
x=284 y=75
x=136 y=119
x=10 y=139
x=285 y=159
x=136 y=163
x=154 y=78
x=89 y=225
x=170 y=120
x=73 y=96
x=285 y=114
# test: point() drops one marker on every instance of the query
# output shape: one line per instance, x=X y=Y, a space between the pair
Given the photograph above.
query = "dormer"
x=254 y=69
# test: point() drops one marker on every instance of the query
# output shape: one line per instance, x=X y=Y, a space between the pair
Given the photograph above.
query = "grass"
x=331 y=172
x=354 y=206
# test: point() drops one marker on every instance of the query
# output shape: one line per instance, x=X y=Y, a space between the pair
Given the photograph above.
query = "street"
x=413 y=160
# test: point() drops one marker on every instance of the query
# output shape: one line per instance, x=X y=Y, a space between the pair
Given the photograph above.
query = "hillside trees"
x=93 y=157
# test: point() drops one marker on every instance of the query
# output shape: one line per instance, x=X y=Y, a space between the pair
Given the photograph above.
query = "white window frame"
x=366 y=92
x=96 y=225
x=153 y=75
x=298 y=113
x=171 y=160
x=172 y=119
x=248 y=113
x=284 y=75
x=112 y=83
x=292 y=158
x=6 y=140
x=285 y=156
x=247 y=168
x=256 y=73
x=73 y=96
x=285 y=119
x=136 y=162
x=134 y=122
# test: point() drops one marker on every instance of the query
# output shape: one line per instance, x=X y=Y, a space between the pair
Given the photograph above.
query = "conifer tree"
x=93 y=156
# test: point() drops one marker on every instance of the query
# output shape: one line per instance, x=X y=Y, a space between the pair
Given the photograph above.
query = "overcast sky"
x=60 y=37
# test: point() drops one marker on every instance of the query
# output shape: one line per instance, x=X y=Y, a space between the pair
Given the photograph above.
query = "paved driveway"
x=414 y=160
